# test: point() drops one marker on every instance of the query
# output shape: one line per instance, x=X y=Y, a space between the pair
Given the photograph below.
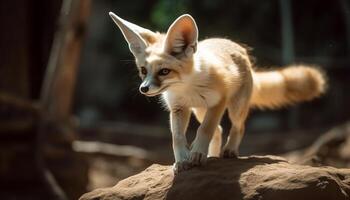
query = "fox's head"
x=163 y=60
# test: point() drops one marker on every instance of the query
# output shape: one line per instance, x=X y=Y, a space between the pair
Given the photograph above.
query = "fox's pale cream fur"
x=207 y=78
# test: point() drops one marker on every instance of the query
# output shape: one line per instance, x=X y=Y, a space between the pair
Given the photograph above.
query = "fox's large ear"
x=136 y=36
x=182 y=37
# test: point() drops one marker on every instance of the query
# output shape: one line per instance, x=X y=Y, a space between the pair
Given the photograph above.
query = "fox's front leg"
x=179 y=119
x=199 y=149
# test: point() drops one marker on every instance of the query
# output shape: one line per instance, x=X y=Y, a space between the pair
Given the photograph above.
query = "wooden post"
x=58 y=89
x=288 y=51
x=59 y=83
x=345 y=7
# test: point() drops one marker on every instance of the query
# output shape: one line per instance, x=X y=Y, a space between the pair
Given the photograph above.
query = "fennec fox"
x=207 y=78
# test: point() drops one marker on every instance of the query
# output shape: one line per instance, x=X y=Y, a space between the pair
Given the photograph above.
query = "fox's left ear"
x=182 y=37
x=137 y=37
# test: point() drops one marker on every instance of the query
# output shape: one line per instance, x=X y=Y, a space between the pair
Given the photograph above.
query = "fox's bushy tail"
x=288 y=85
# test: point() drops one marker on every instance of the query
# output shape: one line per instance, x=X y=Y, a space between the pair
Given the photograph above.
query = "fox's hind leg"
x=215 y=143
x=216 y=140
x=238 y=108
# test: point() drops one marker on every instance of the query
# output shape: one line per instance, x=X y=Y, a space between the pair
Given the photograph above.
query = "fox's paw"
x=197 y=158
x=199 y=151
x=179 y=167
x=229 y=153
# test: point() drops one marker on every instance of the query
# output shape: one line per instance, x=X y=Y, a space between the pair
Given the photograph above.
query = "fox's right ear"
x=182 y=37
x=136 y=36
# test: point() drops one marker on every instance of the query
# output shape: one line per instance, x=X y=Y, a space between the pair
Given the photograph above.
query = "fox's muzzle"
x=149 y=86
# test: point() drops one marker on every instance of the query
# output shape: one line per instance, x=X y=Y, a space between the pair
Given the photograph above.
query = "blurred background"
x=72 y=118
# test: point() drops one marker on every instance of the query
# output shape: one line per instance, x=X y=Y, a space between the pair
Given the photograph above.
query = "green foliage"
x=165 y=11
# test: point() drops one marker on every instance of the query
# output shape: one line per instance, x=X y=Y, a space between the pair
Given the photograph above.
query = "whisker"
x=148 y=99
x=175 y=82
x=127 y=60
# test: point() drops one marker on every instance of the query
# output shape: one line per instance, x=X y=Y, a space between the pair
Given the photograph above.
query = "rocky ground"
x=316 y=172
x=105 y=169
x=248 y=178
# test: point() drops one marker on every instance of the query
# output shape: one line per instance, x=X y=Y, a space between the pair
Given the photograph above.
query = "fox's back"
x=225 y=50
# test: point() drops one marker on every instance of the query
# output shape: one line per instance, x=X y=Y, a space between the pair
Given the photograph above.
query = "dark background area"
x=95 y=131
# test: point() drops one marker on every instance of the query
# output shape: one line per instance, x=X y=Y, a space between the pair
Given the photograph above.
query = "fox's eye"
x=143 y=70
x=164 y=71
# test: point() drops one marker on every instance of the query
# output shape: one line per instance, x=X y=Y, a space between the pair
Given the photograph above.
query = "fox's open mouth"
x=158 y=92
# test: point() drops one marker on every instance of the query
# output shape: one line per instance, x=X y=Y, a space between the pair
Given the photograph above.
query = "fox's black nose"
x=144 y=89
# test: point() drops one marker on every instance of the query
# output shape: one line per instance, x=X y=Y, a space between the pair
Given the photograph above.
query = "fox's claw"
x=229 y=153
x=179 y=167
x=197 y=159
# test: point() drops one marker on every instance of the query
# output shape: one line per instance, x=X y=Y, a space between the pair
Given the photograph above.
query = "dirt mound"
x=248 y=178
